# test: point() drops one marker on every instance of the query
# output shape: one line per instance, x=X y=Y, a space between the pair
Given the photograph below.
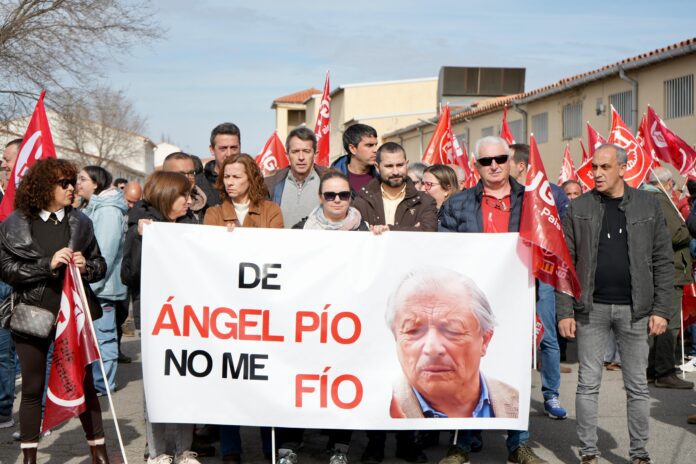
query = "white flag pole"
x=273 y=445
x=77 y=278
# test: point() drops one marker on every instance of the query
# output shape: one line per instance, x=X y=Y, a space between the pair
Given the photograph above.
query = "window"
x=516 y=129
x=622 y=102
x=540 y=127
x=572 y=120
x=679 y=97
x=486 y=131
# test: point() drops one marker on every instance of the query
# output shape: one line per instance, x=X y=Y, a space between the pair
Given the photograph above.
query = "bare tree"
x=100 y=122
x=57 y=44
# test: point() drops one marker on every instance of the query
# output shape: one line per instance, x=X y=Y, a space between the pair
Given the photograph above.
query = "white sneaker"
x=6 y=423
x=161 y=459
x=187 y=457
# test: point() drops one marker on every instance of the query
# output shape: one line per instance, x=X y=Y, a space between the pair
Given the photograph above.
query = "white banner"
x=332 y=329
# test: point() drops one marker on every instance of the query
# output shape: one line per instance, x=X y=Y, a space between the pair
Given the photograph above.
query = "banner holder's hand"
x=378 y=230
x=62 y=256
x=141 y=223
x=80 y=261
x=230 y=226
x=566 y=327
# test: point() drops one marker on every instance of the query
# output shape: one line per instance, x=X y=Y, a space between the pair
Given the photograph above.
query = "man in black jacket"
x=225 y=140
x=621 y=249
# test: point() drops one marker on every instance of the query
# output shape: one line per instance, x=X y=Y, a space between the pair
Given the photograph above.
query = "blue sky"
x=227 y=61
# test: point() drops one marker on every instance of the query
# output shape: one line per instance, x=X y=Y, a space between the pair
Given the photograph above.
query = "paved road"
x=672 y=439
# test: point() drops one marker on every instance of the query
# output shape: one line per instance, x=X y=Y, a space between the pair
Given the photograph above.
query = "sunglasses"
x=65 y=182
x=500 y=159
x=331 y=196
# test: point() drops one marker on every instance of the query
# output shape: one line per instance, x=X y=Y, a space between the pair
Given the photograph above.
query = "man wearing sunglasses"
x=295 y=187
x=493 y=205
x=391 y=201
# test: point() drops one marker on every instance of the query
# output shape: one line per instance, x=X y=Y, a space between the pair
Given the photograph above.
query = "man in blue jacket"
x=360 y=161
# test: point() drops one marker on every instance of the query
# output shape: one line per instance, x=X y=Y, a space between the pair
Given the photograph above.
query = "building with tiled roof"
x=557 y=113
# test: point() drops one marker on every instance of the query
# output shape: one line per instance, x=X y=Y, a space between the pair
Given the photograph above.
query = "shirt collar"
x=60 y=214
x=429 y=411
x=398 y=196
x=307 y=179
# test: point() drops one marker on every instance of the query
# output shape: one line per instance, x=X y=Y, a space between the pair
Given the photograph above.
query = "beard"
x=395 y=181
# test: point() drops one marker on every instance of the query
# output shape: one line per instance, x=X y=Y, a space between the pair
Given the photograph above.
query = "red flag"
x=505 y=132
x=273 y=156
x=475 y=176
x=646 y=143
x=322 y=128
x=639 y=161
x=538 y=329
x=37 y=144
x=567 y=168
x=74 y=349
x=594 y=140
x=444 y=148
x=585 y=156
x=666 y=144
x=540 y=227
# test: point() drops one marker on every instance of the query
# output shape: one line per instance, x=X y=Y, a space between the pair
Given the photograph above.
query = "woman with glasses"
x=244 y=204
x=440 y=182
x=37 y=241
x=334 y=211
x=165 y=199
x=106 y=207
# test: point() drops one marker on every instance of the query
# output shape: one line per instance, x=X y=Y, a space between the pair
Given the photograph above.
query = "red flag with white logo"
x=594 y=139
x=645 y=142
x=505 y=132
x=475 y=176
x=273 y=156
x=666 y=144
x=567 y=168
x=37 y=144
x=639 y=161
x=444 y=148
x=74 y=349
x=322 y=128
x=540 y=227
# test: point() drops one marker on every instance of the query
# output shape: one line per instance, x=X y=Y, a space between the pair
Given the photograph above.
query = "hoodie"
x=108 y=214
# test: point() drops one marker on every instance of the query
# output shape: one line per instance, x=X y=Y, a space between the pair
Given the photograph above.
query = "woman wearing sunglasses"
x=334 y=211
x=105 y=206
x=244 y=204
x=440 y=182
x=37 y=241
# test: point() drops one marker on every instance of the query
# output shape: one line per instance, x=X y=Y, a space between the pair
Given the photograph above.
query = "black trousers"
x=121 y=308
x=32 y=354
x=661 y=359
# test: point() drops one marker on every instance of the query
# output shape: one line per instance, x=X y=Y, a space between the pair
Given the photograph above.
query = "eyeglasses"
x=500 y=159
x=188 y=173
x=65 y=182
x=331 y=196
x=428 y=185
x=496 y=203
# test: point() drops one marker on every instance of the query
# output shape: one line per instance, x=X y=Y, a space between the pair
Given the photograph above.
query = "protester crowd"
x=632 y=249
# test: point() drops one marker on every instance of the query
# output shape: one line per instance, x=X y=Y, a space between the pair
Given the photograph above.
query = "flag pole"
x=681 y=329
x=88 y=317
x=273 y=445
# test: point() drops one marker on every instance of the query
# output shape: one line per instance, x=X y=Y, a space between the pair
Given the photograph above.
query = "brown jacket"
x=504 y=399
x=416 y=212
x=267 y=214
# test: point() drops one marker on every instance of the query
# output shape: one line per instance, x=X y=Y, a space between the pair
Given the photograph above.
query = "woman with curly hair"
x=244 y=204
x=37 y=241
x=243 y=195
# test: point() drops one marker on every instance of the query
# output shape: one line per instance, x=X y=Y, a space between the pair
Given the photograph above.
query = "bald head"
x=133 y=193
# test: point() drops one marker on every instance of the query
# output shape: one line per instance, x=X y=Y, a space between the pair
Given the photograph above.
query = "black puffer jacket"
x=132 y=248
x=24 y=266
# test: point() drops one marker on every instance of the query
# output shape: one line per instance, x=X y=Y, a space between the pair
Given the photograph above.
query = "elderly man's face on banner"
x=439 y=343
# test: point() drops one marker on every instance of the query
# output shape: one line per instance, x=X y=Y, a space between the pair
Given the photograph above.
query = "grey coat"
x=651 y=262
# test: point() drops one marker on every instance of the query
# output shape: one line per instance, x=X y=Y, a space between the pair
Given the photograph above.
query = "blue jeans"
x=515 y=439
x=231 y=441
x=7 y=374
x=107 y=338
x=692 y=351
x=592 y=332
x=550 y=353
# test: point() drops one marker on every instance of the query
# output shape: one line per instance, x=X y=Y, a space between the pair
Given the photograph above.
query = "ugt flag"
x=74 y=348
x=505 y=132
x=322 y=128
x=36 y=144
x=639 y=162
x=540 y=227
x=667 y=145
x=567 y=168
x=444 y=148
x=272 y=156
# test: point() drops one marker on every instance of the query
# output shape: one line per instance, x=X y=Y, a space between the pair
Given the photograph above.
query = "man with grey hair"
x=442 y=324
x=461 y=175
x=621 y=250
x=493 y=205
x=661 y=358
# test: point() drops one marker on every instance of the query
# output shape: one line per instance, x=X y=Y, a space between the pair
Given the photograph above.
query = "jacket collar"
x=374 y=188
x=515 y=188
x=628 y=194
x=230 y=214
